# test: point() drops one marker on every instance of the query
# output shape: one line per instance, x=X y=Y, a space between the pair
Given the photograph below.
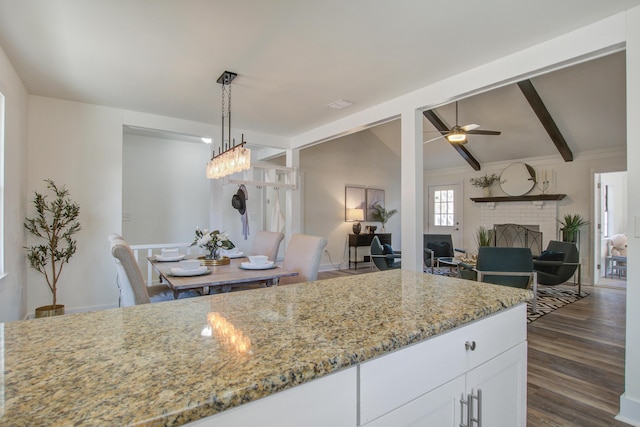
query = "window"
x=443 y=210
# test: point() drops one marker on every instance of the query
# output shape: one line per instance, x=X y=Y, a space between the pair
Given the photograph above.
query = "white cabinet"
x=327 y=401
x=425 y=383
x=419 y=385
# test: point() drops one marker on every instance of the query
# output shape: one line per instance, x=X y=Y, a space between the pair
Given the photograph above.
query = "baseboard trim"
x=629 y=411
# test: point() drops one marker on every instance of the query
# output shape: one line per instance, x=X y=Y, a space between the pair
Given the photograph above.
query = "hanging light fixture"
x=231 y=158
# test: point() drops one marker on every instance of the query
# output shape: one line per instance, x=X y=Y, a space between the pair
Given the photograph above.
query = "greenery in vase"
x=55 y=222
x=212 y=241
x=571 y=225
x=380 y=214
x=485 y=181
x=484 y=236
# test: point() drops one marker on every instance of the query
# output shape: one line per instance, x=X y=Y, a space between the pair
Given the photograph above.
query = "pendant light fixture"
x=231 y=158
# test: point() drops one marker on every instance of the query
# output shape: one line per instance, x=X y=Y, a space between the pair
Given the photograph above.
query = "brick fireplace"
x=543 y=214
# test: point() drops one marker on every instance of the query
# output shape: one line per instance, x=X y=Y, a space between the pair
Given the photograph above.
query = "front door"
x=445 y=212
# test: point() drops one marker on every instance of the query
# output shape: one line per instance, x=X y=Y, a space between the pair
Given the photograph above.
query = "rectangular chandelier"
x=231 y=158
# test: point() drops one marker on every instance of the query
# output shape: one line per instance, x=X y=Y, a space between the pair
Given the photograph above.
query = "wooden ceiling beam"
x=545 y=118
x=440 y=126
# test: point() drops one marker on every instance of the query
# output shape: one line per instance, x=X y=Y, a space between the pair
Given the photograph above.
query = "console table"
x=356 y=240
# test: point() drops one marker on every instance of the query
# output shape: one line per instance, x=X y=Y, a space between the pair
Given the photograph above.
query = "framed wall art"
x=374 y=197
x=354 y=198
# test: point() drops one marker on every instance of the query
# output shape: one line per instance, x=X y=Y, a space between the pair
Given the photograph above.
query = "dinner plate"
x=234 y=255
x=161 y=258
x=181 y=272
x=266 y=266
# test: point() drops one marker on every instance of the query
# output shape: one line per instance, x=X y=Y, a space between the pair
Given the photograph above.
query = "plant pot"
x=486 y=191
x=50 y=310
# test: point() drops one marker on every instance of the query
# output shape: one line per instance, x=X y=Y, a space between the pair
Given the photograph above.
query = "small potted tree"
x=485 y=182
x=380 y=214
x=55 y=224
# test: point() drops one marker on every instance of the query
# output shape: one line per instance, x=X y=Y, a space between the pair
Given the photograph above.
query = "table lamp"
x=356 y=215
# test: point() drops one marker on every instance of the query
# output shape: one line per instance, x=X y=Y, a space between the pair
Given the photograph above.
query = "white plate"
x=235 y=255
x=266 y=266
x=181 y=272
x=161 y=258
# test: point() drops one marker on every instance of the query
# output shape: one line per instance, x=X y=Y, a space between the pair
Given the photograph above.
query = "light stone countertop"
x=150 y=364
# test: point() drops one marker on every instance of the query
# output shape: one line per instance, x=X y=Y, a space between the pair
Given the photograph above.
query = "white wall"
x=630 y=400
x=165 y=193
x=359 y=160
x=13 y=293
x=617 y=183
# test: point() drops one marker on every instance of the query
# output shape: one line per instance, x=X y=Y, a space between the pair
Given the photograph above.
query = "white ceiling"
x=295 y=56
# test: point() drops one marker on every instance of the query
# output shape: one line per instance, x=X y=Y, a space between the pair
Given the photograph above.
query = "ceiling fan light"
x=456 y=137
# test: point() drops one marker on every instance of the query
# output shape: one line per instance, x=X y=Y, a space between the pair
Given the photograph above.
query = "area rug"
x=550 y=299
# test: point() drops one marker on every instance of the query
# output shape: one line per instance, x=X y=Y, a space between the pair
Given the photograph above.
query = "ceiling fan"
x=458 y=134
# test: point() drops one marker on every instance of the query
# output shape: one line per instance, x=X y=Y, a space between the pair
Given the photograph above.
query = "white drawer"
x=399 y=377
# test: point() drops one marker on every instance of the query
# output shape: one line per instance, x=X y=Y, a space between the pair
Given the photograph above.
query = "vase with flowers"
x=485 y=182
x=212 y=242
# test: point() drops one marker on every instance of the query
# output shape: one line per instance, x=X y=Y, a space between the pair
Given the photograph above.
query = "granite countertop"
x=152 y=364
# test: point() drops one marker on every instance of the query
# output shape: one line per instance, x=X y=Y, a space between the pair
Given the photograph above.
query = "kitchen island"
x=176 y=362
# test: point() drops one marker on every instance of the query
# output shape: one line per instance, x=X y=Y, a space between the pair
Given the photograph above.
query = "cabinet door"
x=440 y=407
x=503 y=384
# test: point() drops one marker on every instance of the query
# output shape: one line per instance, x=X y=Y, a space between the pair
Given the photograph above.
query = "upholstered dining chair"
x=384 y=259
x=133 y=289
x=303 y=256
x=508 y=267
x=267 y=243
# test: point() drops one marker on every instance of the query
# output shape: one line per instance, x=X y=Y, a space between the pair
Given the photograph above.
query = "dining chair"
x=384 y=259
x=267 y=243
x=507 y=267
x=133 y=290
x=303 y=256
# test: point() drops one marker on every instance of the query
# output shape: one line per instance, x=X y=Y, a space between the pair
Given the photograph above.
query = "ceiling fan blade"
x=469 y=127
x=484 y=132
x=433 y=139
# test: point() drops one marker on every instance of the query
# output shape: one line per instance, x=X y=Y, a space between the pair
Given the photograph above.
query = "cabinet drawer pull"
x=470 y=345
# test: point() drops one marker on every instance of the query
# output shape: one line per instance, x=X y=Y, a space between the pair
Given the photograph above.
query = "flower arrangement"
x=485 y=181
x=212 y=241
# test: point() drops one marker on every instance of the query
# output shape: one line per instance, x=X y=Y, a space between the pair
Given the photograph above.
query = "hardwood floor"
x=576 y=360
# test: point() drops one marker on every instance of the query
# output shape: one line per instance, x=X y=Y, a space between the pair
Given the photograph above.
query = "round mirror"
x=517 y=179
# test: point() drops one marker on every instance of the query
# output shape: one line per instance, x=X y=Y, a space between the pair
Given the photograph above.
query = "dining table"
x=220 y=277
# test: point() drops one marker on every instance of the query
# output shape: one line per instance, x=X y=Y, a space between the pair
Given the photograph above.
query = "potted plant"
x=571 y=227
x=484 y=236
x=380 y=214
x=55 y=223
x=485 y=182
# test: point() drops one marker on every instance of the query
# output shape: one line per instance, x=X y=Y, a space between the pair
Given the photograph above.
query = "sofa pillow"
x=440 y=249
x=387 y=249
x=550 y=256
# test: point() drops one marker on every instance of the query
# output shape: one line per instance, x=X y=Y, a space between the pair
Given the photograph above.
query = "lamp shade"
x=355 y=214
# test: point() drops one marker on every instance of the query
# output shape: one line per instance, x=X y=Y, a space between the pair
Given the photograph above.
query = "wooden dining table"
x=222 y=277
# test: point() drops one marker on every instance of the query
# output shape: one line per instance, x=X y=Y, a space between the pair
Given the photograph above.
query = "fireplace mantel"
x=533 y=198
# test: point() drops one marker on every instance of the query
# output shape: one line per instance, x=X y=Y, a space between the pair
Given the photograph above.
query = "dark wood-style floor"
x=576 y=360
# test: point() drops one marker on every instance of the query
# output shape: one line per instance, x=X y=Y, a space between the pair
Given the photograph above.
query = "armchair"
x=558 y=263
x=437 y=247
x=508 y=267
x=384 y=259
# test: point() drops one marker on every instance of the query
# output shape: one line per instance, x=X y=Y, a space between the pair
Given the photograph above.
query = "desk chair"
x=303 y=256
